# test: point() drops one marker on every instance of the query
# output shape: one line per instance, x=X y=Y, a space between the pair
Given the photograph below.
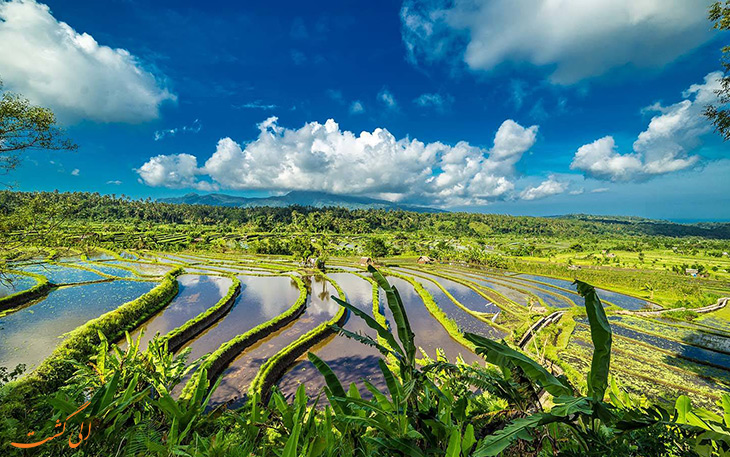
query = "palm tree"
x=649 y=287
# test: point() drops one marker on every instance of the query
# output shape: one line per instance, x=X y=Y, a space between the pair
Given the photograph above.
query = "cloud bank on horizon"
x=325 y=158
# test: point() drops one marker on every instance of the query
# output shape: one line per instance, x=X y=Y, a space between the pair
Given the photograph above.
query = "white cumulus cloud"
x=547 y=188
x=665 y=146
x=576 y=39
x=53 y=65
x=325 y=158
x=173 y=171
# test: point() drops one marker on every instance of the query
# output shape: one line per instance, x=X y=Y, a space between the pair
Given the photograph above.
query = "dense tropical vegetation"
x=510 y=406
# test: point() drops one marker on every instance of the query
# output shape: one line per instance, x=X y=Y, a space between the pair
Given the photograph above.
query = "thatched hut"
x=424 y=259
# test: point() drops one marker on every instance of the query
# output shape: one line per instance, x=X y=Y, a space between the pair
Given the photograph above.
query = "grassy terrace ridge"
x=471 y=275
x=275 y=366
x=40 y=288
x=506 y=278
x=216 y=362
x=82 y=342
x=511 y=284
x=479 y=316
x=642 y=372
x=177 y=337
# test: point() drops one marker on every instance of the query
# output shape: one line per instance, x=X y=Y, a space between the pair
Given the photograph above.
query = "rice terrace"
x=239 y=313
x=411 y=228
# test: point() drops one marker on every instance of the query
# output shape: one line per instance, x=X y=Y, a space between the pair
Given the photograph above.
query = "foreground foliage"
x=511 y=406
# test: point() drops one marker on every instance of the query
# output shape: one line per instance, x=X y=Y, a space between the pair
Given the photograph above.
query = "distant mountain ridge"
x=299 y=198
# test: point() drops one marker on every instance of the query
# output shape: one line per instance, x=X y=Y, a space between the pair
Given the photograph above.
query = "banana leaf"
x=602 y=337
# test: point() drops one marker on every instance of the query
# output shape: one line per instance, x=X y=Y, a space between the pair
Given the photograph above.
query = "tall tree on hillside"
x=720 y=114
x=24 y=126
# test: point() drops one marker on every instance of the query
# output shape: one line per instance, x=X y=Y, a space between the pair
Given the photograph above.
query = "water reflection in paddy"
x=148 y=269
x=31 y=334
x=100 y=256
x=60 y=274
x=350 y=360
x=240 y=373
x=261 y=299
x=196 y=293
x=430 y=334
x=109 y=270
x=517 y=295
x=467 y=297
x=11 y=284
x=618 y=299
x=685 y=350
x=550 y=296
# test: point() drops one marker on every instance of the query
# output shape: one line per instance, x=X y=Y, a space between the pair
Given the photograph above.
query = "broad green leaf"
x=454 y=448
x=405 y=334
x=502 y=355
x=683 y=406
x=373 y=324
x=468 y=440
x=329 y=376
x=394 y=385
x=290 y=449
x=725 y=404
x=601 y=336
x=366 y=340
x=519 y=429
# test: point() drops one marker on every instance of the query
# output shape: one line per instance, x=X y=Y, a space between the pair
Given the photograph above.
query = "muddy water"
x=196 y=293
x=467 y=297
x=59 y=274
x=430 y=334
x=261 y=299
x=31 y=334
x=240 y=373
x=11 y=284
x=350 y=360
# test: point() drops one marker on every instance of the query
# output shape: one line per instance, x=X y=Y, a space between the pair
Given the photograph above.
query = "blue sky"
x=509 y=106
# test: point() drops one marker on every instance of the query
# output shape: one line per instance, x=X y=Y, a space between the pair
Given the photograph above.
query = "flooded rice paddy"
x=350 y=360
x=695 y=358
x=239 y=374
x=196 y=294
x=62 y=273
x=30 y=335
x=11 y=284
